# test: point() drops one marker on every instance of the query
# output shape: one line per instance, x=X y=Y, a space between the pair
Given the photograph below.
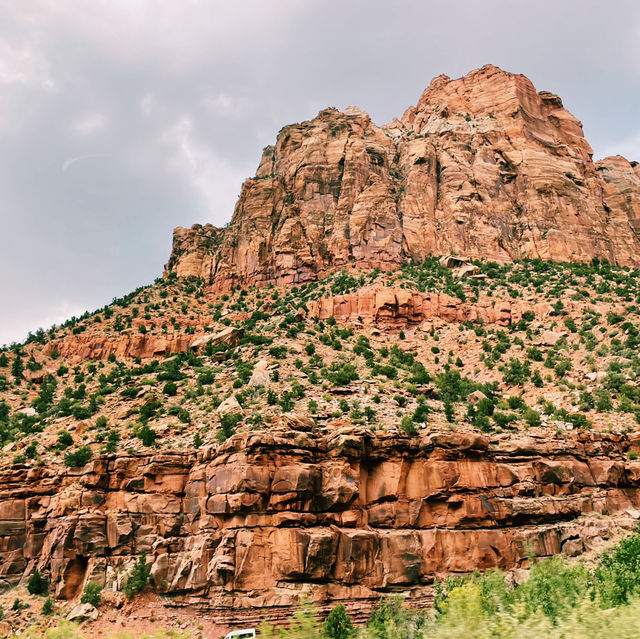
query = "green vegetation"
x=338 y=624
x=92 y=594
x=47 y=606
x=410 y=378
x=37 y=584
x=79 y=457
x=138 y=577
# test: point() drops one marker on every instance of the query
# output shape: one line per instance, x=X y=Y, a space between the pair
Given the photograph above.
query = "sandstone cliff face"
x=483 y=166
x=385 y=306
x=274 y=515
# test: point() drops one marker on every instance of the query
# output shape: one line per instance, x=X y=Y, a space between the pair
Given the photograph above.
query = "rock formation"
x=385 y=306
x=483 y=166
x=311 y=495
x=269 y=516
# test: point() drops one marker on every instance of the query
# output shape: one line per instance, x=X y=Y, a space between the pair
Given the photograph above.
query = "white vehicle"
x=247 y=633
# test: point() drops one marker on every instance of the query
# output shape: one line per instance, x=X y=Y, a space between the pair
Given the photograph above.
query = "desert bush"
x=138 y=577
x=92 y=594
x=79 y=457
x=37 y=584
x=338 y=624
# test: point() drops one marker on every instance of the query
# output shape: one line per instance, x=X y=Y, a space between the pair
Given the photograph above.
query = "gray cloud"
x=122 y=119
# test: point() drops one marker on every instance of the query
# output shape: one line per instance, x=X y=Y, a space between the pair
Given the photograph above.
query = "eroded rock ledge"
x=390 y=306
x=348 y=515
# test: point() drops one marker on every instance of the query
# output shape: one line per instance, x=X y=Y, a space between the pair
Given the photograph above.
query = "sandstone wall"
x=483 y=166
x=390 y=306
x=347 y=516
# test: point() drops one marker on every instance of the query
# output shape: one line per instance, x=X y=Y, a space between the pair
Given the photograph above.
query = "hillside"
x=366 y=381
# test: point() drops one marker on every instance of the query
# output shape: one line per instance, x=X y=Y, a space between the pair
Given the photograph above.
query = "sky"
x=121 y=119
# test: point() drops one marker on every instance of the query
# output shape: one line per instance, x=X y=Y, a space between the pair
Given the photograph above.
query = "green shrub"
x=532 y=417
x=64 y=439
x=618 y=576
x=407 y=425
x=390 y=620
x=138 y=577
x=170 y=389
x=503 y=419
x=80 y=412
x=338 y=624
x=47 y=607
x=78 y=458
x=37 y=584
x=449 y=412
x=342 y=373
x=146 y=434
x=92 y=594
x=228 y=425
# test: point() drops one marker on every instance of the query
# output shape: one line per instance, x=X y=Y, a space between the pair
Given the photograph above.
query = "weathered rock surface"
x=483 y=166
x=100 y=346
x=387 y=306
x=260 y=374
x=272 y=515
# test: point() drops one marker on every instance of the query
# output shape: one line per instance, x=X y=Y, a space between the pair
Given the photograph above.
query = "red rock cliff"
x=484 y=166
x=246 y=530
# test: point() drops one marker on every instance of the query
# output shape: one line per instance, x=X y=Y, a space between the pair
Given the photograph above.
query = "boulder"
x=230 y=406
x=229 y=336
x=83 y=612
x=260 y=375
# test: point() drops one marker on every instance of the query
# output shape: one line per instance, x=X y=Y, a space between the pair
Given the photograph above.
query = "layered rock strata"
x=246 y=530
x=388 y=306
x=483 y=166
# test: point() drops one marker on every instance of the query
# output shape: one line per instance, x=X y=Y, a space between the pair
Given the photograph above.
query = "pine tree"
x=138 y=578
x=17 y=368
x=37 y=585
x=338 y=624
x=47 y=607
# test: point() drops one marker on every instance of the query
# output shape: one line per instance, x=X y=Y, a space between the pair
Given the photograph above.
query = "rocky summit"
x=413 y=353
x=484 y=167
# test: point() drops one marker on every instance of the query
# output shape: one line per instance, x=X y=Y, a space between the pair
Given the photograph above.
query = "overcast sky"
x=120 y=119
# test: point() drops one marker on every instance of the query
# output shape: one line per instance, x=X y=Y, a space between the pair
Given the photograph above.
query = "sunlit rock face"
x=483 y=166
x=251 y=527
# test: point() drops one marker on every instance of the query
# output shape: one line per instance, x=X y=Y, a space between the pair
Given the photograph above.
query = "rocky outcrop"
x=483 y=166
x=621 y=193
x=192 y=251
x=101 y=345
x=387 y=306
x=247 y=529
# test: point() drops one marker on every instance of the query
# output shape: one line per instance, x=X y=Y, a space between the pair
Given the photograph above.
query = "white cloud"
x=147 y=105
x=89 y=124
x=205 y=171
x=225 y=105
x=24 y=66
x=69 y=162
